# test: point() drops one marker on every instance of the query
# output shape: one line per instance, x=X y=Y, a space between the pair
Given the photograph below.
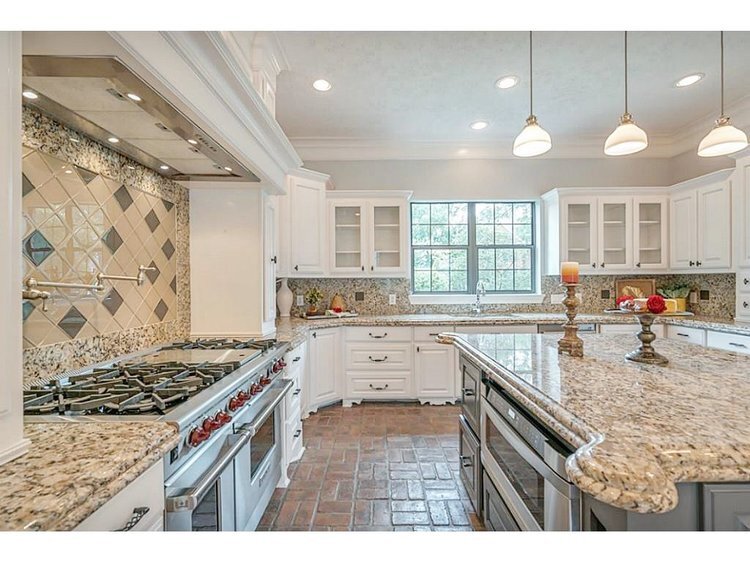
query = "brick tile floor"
x=376 y=467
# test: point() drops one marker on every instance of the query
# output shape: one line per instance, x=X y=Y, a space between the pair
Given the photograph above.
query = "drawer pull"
x=297 y=359
x=683 y=334
x=468 y=392
x=384 y=358
x=378 y=336
x=466 y=461
x=298 y=433
x=745 y=304
x=737 y=345
x=138 y=514
x=434 y=333
x=383 y=388
x=297 y=392
x=746 y=281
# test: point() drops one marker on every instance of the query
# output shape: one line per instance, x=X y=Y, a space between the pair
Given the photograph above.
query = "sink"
x=484 y=315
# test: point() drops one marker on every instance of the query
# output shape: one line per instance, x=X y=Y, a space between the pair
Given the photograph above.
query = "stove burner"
x=127 y=388
x=222 y=344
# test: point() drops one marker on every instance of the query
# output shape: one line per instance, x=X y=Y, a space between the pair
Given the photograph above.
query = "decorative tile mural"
x=89 y=209
x=79 y=223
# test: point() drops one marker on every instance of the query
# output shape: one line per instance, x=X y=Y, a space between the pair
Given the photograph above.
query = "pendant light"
x=532 y=140
x=723 y=138
x=627 y=138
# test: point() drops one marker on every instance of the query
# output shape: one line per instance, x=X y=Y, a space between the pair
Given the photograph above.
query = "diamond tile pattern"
x=82 y=223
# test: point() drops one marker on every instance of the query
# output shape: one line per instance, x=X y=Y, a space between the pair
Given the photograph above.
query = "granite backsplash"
x=375 y=292
x=88 y=209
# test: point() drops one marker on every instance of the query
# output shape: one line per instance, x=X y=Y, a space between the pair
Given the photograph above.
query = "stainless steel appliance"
x=469 y=451
x=223 y=395
x=525 y=483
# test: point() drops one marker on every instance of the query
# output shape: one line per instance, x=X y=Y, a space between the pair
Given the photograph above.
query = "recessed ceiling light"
x=28 y=94
x=134 y=97
x=113 y=140
x=463 y=151
x=506 y=82
x=192 y=141
x=322 y=85
x=478 y=125
x=227 y=168
x=164 y=167
x=689 y=80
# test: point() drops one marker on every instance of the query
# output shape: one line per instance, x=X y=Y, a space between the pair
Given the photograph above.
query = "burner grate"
x=222 y=344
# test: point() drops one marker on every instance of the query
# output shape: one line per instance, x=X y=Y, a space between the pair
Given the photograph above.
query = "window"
x=456 y=244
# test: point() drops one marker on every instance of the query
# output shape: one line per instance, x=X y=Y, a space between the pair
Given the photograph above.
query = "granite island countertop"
x=637 y=429
x=295 y=330
x=73 y=468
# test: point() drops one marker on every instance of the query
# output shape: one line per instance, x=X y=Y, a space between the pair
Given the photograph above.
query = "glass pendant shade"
x=532 y=140
x=628 y=138
x=723 y=139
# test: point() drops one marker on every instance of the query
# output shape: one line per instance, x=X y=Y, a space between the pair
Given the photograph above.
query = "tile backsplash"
x=721 y=288
x=87 y=210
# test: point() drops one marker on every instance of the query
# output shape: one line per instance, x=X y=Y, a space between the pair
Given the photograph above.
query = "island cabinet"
x=434 y=366
x=325 y=381
x=701 y=223
x=139 y=507
x=292 y=440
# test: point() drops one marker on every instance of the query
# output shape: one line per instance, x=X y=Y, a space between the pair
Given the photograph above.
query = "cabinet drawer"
x=632 y=328
x=497 y=329
x=379 y=333
x=428 y=333
x=730 y=342
x=293 y=399
x=365 y=385
x=146 y=491
x=293 y=437
x=725 y=507
x=686 y=334
x=366 y=356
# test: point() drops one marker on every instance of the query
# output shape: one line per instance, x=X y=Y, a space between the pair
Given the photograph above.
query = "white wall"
x=689 y=165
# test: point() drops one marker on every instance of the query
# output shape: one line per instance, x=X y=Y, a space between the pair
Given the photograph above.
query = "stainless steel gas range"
x=223 y=395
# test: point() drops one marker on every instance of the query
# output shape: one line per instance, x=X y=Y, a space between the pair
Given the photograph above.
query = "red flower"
x=656 y=304
x=337 y=309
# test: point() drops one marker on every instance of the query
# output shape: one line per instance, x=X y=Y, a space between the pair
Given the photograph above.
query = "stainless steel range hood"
x=104 y=99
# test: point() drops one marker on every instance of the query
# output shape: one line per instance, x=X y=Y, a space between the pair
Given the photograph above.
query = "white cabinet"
x=615 y=233
x=324 y=383
x=141 y=500
x=729 y=342
x=270 y=259
x=686 y=334
x=650 y=232
x=497 y=329
x=630 y=328
x=307 y=224
x=701 y=223
x=579 y=232
x=434 y=372
x=742 y=211
x=368 y=233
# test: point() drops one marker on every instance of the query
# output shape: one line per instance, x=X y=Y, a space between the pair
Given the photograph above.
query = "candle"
x=569 y=272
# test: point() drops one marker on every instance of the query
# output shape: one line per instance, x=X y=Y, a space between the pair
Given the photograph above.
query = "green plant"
x=676 y=291
x=313 y=296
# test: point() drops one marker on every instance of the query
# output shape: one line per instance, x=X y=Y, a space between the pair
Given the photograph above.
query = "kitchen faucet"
x=481 y=290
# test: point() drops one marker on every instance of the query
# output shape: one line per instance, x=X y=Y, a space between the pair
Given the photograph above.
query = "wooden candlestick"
x=570 y=342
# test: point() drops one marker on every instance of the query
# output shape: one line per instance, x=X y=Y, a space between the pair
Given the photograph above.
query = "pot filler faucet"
x=481 y=290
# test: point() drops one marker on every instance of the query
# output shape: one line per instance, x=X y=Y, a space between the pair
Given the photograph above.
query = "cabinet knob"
x=593 y=265
x=638 y=265
x=745 y=304
x=602 y=264
x=372 y=268
x=363 y=268
x=315 y=334
x=691 y=263
x=698 y=263
x=297 y=267
x=746 y=281
x=273 y=259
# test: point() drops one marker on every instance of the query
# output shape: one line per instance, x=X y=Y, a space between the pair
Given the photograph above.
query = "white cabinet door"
x=682 y=230
x=615 y=233
x=325 y=367
x=650 y=233
x=348 y=236
x=714 y=239
x=387 y=237
x=270 y=259
x=579 y=233
x=308 y=227
x=434 y=371
x=742 y=186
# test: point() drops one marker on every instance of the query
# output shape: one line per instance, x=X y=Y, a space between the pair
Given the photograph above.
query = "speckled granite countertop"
x=295 y=330
x=74 y=468
x=639 y=429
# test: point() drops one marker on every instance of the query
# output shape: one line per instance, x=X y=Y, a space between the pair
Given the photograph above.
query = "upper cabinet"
x=606 y=230
x=368 y=233
x=742 y=211
x=701 y=223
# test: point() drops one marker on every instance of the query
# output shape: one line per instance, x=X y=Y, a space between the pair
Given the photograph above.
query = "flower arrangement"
x=313 y=296
x=678 y=292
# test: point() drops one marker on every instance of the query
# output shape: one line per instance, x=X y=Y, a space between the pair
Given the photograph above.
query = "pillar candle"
x=569 y=272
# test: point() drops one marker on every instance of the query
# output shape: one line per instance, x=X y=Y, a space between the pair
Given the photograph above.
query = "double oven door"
x=525 y=483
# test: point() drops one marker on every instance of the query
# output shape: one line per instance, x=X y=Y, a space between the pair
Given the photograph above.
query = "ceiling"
x=413 y=94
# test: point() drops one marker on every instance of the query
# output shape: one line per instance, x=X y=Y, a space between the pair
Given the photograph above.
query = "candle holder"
x=570 y=343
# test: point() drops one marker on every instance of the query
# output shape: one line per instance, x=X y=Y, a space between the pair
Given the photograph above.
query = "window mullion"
x=473 y=257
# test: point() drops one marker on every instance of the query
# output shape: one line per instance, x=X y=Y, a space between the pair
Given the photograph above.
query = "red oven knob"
x=282 y=363
x=265 y=380
x=276 y=367
x=235 y=403
x=211 y=424
x=244 y=397
x=255 y=389
x=198 y=436
x=222 y=418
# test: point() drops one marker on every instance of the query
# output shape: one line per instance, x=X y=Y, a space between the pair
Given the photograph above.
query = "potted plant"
x=678 y=292
x=313 y=296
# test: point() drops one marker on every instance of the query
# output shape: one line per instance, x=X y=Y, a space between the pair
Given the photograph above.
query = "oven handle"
x=194 y=495
x=254 y=426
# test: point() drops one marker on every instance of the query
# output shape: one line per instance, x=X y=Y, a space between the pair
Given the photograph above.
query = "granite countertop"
x=638 y=429
x=73 y=468
x=295 y=329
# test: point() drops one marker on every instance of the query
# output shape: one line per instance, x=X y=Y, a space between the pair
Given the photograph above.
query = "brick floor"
x=376 y=467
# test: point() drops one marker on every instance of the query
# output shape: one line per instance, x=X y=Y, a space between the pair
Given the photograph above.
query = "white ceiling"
x=413 y=94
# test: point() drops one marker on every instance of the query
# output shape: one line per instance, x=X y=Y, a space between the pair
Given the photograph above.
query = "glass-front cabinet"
x=348 y=233
x=387 y=236
x=615 y=226
x=650 y=232
x=579 y=233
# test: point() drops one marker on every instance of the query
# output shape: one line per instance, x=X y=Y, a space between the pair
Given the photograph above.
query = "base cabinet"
x=139 y=507
x=434 y=373
x=325 y=381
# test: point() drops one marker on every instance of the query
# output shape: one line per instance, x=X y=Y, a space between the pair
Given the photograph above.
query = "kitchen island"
x=642 y=436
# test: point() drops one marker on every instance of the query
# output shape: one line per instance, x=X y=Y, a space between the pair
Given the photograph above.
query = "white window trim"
x=470 y=299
